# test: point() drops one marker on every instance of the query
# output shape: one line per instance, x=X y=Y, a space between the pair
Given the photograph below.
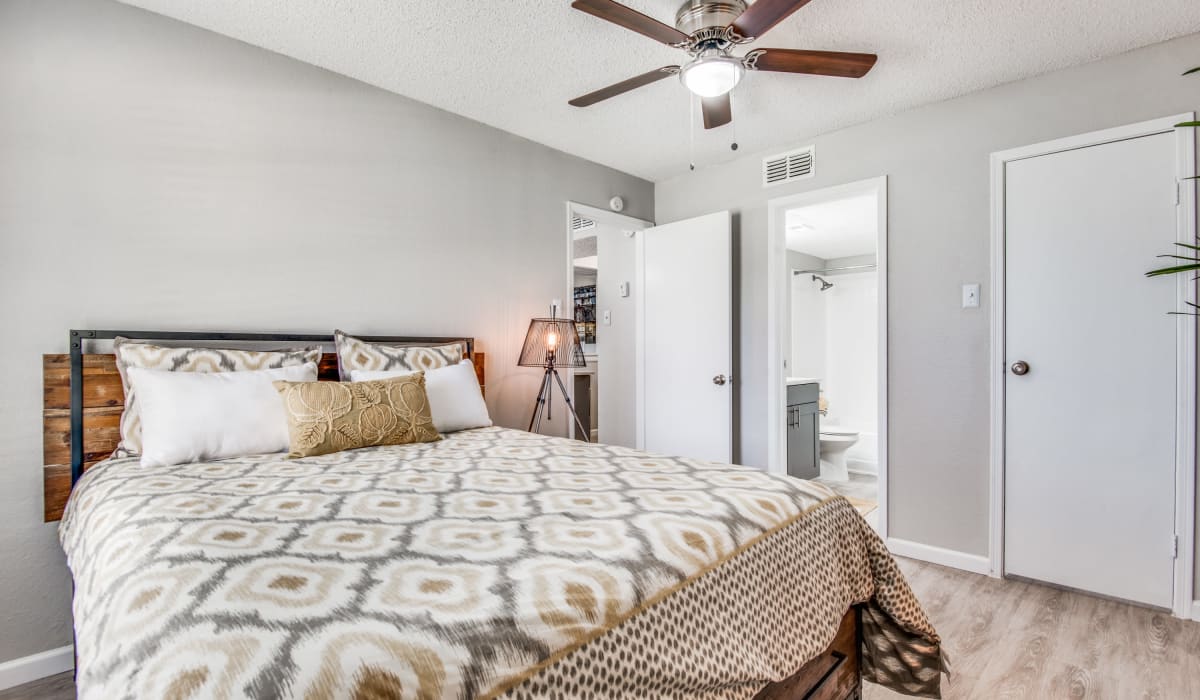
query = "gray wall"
x=156 y=175
x=936 y=159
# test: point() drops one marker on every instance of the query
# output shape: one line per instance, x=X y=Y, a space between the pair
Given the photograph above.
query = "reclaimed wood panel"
x=103 y=403
x=102 y=382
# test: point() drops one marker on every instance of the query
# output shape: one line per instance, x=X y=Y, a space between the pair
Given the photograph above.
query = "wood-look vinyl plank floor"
x=1011 y=639
x=59 y=687
x=1006 y=640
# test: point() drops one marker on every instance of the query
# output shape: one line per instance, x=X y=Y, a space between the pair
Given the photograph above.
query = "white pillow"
x=455 y=401
x=197 y=416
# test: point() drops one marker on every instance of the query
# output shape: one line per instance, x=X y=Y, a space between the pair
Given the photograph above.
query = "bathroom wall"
x=835 y=338
x=851 y=380
x=806 y=350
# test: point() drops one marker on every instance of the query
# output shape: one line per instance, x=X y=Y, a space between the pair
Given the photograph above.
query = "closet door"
x=1091 y=366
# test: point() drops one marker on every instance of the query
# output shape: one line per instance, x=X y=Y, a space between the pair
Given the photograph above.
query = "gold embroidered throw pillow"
x=325 y=417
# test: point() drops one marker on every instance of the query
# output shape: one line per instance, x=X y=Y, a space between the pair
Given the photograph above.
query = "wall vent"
x=785 y=167
x=578 y=223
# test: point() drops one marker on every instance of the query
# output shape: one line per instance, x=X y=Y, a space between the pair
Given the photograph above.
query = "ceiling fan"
x=708 y=30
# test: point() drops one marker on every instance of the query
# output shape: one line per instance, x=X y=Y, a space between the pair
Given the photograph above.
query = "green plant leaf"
x=1194 y=177
x=1192 y=258
x=1176 y=269
x=1194 y=70
x=1189 y=246
x=1181 y=125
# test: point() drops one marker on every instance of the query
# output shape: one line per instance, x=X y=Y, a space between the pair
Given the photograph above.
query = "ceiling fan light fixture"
x=712 y=76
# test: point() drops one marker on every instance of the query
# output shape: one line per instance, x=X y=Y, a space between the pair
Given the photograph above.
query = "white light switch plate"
x=607 y=317
x=970 y=296
x=624 y=289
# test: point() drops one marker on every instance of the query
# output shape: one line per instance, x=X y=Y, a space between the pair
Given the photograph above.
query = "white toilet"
x=834 y=443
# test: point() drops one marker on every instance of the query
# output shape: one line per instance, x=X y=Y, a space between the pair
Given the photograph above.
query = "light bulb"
x=552 y=340
x=712 y=76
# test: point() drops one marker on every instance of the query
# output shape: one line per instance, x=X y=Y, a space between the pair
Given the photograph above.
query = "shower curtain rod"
x=835 y=269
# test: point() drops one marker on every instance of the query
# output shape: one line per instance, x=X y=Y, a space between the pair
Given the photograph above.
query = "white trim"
x=639 y=344
x=600 y=216
x=1194 y=612
x=778 y=287
x=975 y=563
x=1185 y=425
x=35 y=666
x=996 y=374
x=1185 y=431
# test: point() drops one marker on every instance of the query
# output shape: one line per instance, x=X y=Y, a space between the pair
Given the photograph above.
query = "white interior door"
x=685 y=339
x=1090 y=428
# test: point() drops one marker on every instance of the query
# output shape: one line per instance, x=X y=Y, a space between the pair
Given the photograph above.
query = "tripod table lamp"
x=551 y=343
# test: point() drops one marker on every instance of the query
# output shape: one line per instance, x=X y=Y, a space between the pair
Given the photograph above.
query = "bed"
x=494 y=563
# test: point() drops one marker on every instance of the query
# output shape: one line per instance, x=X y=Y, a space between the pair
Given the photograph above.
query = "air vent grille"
x=578 y=223
x=785 y=167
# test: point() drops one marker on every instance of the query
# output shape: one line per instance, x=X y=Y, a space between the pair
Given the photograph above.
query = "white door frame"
x=1185 y=430
x=778 y=289
x=600 y=216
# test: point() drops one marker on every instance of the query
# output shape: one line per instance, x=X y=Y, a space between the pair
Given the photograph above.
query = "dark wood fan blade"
x=629 y=18
x=717 y=111
x=763 y=15
x=835 y=63
x=624 y=86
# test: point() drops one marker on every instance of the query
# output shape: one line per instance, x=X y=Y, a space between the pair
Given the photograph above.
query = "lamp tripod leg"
x=571 y=407
x=537 y=406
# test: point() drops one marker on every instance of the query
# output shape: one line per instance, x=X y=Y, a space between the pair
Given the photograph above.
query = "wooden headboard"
x=101 y=398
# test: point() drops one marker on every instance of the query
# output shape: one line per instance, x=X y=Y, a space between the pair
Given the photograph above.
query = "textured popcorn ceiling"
x=513 y=64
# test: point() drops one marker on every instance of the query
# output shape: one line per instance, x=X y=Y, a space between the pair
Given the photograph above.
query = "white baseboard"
x=1195 y=610
x=35 y=666
x=937 y=555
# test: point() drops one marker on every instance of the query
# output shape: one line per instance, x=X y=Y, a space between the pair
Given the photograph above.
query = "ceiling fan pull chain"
x=692 y=107
x=733 y=146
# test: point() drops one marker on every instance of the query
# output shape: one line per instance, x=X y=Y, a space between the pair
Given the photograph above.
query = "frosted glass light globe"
x=712 y=76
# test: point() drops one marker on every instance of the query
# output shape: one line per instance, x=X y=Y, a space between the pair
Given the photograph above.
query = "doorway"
x=827 y=341
x=1084 y=496
x=602 y=259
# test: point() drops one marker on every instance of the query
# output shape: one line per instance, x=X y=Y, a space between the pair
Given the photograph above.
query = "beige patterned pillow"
x=326 y=417
x=131 y=353
x=358 y=354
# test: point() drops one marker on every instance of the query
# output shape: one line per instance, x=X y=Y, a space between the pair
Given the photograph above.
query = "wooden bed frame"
x=101 y=397
x=834 y=675
x=91 y=407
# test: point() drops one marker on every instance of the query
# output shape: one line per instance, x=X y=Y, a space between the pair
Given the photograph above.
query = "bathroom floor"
x=862 y=490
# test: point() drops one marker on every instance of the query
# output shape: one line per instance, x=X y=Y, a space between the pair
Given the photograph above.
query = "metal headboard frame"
x=78 y=337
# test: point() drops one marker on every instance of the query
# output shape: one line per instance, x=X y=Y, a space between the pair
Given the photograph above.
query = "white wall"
x=806 y=336
x=936 y=160
x=808 y=331
x=156 y=175
x=615 y=342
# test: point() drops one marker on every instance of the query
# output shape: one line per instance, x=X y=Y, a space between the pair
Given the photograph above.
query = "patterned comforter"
x=495 y=563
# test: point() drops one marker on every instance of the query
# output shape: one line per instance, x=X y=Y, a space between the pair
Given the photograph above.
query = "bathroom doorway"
x=828 y=253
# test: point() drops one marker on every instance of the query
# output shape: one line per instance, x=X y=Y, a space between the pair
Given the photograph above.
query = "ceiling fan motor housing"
x=706 y=22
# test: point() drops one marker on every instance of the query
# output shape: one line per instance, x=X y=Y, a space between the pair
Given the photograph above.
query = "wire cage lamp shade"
x=552 y=341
